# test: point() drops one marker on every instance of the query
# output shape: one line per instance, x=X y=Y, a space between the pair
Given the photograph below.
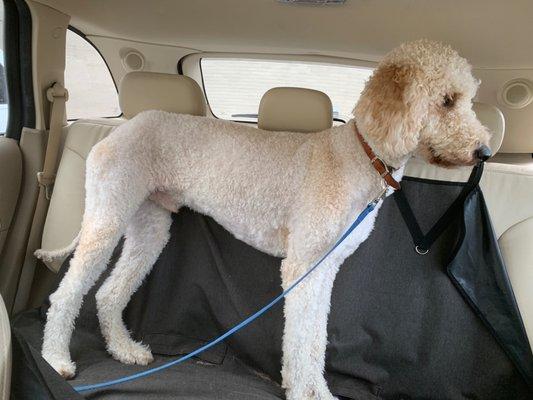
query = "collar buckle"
x=385 y=171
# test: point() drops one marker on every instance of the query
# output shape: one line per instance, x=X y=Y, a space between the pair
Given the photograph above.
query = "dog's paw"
x=64 y=367
x=131 y=352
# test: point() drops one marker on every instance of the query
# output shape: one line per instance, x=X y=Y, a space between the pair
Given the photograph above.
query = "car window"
x=3 y=85
x=92 y=92
x=234 y=87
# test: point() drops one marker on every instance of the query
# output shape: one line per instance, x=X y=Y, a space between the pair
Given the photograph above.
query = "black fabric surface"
x=492 y=298
x=399 y=327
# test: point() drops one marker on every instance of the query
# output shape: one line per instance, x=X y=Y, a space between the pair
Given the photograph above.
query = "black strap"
x=424 y=242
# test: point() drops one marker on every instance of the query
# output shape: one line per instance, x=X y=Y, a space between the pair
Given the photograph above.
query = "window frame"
x=17 y=68
x=191 y=65
x=84 y=36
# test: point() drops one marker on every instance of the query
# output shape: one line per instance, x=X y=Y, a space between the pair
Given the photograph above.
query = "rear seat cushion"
x=295 y=110
x=515 y=245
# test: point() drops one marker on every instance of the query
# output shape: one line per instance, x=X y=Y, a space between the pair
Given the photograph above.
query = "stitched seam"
x=520 y=173
x=512 y=226
x=97 y=123
x=75 y=152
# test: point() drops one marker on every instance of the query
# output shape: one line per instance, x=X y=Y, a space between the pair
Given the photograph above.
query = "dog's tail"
x=51 y=255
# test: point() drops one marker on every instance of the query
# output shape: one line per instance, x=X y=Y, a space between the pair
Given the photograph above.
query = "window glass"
x=3 y=85
x=234 y=87
x=92 y=92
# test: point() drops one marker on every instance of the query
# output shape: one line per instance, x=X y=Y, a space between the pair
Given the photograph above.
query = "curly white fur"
x=288 y=194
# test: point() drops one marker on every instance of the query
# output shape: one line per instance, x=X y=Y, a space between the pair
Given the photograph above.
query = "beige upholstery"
x=5 y=352
x=295 y=110
x=140 y=91
x=493 y=119
x=508 y=191
x=517 y=251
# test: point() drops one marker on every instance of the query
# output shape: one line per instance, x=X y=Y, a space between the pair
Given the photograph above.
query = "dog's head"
x=419 y=101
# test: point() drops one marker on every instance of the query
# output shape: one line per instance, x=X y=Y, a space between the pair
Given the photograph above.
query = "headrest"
x=142 y=91
x=295 y=110
x=492 y=118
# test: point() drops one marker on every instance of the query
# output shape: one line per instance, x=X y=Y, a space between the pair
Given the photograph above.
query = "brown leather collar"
x=383 y=169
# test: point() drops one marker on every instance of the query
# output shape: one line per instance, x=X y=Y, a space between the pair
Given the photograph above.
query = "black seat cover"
x=402 y=326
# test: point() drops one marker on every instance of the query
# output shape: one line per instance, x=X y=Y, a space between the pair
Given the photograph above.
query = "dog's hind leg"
x=97 y=242
x=115 y=190
x=146 y=235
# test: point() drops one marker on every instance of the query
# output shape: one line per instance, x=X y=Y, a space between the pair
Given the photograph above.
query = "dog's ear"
x=391 y=110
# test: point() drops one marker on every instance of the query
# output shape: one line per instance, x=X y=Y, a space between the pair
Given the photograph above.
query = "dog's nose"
x=483 y=153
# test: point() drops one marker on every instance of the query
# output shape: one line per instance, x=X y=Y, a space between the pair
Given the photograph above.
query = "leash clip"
x=380 y=197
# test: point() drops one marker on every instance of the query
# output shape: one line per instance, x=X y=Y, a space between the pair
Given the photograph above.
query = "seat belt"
x=57 y=95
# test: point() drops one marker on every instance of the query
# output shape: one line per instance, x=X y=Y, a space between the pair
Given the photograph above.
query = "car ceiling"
x=491 y=33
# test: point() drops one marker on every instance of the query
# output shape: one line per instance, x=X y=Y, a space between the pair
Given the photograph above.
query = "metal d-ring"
x=421 y=251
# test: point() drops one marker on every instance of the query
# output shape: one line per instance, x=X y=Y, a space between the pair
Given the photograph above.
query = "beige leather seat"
x=5 y=352
x=508 y=191
x=139 y=91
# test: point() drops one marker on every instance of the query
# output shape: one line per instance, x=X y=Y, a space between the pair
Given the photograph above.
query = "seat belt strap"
x=57 y=95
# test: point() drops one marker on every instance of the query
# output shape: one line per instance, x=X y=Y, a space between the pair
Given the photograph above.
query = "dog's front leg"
x=305 y=334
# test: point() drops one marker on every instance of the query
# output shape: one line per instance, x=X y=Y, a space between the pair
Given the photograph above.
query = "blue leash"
x=369 y=208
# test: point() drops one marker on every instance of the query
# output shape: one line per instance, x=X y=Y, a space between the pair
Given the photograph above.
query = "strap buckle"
x=56 y=91
x=386 y=170
x=47 y=182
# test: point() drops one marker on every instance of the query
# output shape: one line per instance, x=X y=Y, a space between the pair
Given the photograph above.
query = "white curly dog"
x=287 y=194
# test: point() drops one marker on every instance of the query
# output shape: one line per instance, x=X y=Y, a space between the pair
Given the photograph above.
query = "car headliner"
x=491 y=33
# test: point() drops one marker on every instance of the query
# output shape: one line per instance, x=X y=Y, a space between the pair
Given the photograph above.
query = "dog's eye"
x=448 y=101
